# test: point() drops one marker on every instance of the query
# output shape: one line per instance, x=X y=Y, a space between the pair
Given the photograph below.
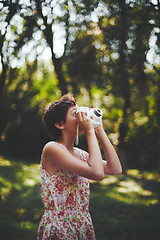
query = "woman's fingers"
x=83 y=114
x=79 y=117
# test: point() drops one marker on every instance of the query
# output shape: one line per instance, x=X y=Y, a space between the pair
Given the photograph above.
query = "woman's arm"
x=58 y=157
x=112 y=164
x=95 y=158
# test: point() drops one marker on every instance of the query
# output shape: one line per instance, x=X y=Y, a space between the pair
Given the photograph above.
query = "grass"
x=124 y=207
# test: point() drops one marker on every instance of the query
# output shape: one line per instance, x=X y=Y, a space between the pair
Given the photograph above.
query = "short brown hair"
x=56 y=113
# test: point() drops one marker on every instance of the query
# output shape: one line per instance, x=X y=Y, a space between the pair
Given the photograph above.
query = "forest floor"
x=124 y=207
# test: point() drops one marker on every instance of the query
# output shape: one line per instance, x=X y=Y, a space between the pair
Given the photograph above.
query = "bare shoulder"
x=52 y=148
x=50 y=154
x=51 y=144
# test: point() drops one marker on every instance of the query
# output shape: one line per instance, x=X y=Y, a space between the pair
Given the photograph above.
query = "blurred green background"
x=122 y=207
x=107 y=53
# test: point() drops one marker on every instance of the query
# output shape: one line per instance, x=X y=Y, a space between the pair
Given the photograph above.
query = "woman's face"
x=71 y=121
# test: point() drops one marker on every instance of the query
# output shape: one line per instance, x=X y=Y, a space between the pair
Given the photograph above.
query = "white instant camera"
x=95 y=115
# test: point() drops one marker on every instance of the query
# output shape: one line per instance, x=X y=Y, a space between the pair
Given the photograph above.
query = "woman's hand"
x=84 y=122
x=99 y=129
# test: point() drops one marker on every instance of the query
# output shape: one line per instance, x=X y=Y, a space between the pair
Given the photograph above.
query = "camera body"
x=95 y=115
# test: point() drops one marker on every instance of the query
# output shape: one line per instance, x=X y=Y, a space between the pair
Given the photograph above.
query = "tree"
x=41 y=19
x=127 y=29
x=21 y=130
x=104 y=48
x=8 y=10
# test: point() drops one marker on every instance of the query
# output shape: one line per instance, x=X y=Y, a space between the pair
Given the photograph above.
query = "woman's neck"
x=67 y=143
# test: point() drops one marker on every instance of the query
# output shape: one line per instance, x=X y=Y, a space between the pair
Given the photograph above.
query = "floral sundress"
x=65 y=198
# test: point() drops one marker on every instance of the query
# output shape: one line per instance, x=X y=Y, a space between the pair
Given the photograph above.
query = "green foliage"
x=102 y=57
x=45 y=81
x=21 y=206
x=122 y=207
x=22 y=132
x=82 y=64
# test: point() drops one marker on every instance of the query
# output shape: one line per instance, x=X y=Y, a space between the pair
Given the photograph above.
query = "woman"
x=66 y=170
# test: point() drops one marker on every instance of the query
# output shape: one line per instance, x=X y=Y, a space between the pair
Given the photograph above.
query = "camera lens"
x=97 y=112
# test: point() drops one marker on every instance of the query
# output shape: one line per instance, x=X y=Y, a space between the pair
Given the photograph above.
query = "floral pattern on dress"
x=65 y=197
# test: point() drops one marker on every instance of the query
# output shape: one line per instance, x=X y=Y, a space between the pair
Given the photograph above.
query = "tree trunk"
x=125 y=90
x=57 y=62
x=158 y=84
x=3 y=78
